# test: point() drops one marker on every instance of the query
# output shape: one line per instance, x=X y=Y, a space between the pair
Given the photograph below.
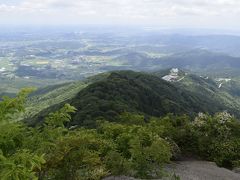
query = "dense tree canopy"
x=130 y=145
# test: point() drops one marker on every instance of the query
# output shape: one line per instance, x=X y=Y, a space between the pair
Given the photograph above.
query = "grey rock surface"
x=194 y=170
x=201 y=170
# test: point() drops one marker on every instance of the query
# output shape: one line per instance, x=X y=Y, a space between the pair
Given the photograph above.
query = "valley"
x=119 y=90
x=116 y=104
x=55 y=58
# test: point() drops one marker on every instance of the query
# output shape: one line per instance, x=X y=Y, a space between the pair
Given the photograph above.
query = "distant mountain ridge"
x=195 y=60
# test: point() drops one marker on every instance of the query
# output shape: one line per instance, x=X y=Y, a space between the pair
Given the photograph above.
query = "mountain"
x=147 y=94
x=220 y=90
x=134 y=59
x=199 y=60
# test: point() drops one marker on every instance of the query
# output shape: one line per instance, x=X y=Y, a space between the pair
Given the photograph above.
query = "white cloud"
x=160 y=12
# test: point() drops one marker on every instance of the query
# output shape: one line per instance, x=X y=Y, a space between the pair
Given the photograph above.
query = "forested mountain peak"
x=147 y=94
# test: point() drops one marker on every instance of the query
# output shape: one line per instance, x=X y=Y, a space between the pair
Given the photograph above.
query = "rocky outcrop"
x=193 y=170
x=201 y=170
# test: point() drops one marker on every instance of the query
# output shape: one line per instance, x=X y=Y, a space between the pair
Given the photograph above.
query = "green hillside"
x=57 y=94
x=196 y=60
x=51 y=95
x=137 y=92
x=208 y=90
x=123 y=135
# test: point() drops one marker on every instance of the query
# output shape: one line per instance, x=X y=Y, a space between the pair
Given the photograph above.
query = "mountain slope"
x=142 y=93
x=50 y=96
x=147 y=94
x=196 y=60
x=208 y=89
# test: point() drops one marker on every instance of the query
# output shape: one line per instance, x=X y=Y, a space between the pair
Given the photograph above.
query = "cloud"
x=162 y=12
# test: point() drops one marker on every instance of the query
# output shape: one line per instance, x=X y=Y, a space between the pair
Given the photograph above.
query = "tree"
x=15 y=161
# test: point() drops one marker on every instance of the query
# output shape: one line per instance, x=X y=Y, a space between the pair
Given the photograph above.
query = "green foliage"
x=59 y=118
x=122 y=92
x=15 y=161
x=21 y=165
x=214 y=138
x=132 y=145
x=140 y=93
x=147 y=159
x=51 y=151
x=76 y=155
x=11 y=137
x=218 y=138
x=117 y=164
x=12 y=134
x=139 y=151
x=11 y=106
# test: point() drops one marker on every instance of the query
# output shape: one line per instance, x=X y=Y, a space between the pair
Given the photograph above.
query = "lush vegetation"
x=215 y=138
x=130 y=146
x=51 y=95
x=53 y=151
x=146 y=94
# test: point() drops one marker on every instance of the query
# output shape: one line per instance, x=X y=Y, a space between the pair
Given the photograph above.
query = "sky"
x=161 y=13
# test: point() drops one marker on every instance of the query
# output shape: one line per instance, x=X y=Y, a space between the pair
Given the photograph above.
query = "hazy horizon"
x=220 y=14
x=129 y=30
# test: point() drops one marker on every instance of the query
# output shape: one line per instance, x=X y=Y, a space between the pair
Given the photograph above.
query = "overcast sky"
x=164 y=13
